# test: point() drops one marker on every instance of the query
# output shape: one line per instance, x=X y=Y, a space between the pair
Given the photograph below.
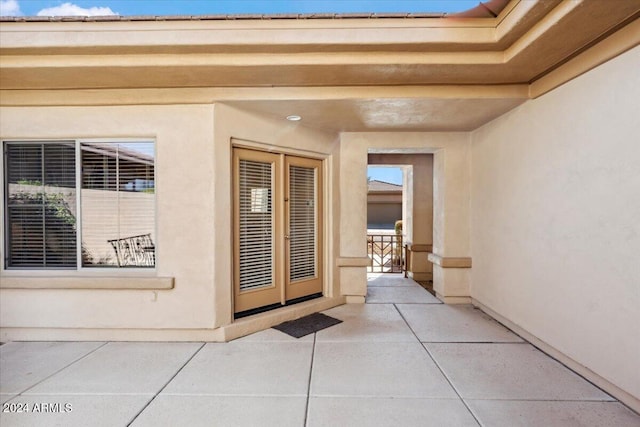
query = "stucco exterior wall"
x=193 y=224
x=184 y=206
x=555 y=219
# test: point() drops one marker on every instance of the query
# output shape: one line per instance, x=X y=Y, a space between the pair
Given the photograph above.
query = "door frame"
x=281 y=248
x=242 y=301
x=300 y=289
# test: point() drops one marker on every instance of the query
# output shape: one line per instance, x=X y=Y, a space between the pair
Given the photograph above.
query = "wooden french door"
x=277 y=228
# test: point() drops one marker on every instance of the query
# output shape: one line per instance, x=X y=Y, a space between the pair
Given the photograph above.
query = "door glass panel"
x=256 y=240
x=302 y=223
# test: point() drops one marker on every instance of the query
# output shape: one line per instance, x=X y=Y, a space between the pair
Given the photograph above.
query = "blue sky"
x=200 y=7
x=386 y=174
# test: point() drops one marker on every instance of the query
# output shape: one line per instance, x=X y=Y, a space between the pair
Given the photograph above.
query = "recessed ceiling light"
x=294 y=118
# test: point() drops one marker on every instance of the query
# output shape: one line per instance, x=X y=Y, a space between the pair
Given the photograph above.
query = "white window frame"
x=79 y=270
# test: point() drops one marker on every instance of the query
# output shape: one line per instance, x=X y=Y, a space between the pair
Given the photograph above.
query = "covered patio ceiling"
x=389 y=114
x=341 y=73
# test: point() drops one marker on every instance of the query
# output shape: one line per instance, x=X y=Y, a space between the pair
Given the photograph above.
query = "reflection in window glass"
x=259 y=200
x=118 y=204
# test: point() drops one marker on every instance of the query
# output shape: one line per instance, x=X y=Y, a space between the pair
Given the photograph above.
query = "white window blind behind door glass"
x=302 y=223
x=256 y=239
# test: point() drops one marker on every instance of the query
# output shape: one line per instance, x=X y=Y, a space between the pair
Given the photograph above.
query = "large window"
x=79 y=203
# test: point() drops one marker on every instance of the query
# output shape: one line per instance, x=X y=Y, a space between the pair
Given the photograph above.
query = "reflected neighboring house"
x=118 y=209
x=384 y=205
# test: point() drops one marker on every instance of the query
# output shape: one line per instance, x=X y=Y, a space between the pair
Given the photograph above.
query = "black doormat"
x=307 y=325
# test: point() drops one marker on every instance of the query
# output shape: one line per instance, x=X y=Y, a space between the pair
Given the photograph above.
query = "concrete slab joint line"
x=387 y=363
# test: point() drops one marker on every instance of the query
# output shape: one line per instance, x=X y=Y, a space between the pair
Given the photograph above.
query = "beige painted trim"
x=249 y=59
x=420 y=276
x=208 y=95
x=453 y=300
x=190 y=29
x=87 y=282
x=421 y=247
x=450 y=262
x=625 y=397
x=541 y=27
x=58 y=38
x=353 y=262
x=272 y=294
x=355 y=299
x=510 y=17
x=271 y=148
x=238 y=329
x=625 y=39
x=308 y=286
x=262 y=321
x=91 y=334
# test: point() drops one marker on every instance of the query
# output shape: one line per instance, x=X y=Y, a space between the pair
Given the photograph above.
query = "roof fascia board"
x=621 y=41
x=61 y=36
x=208 y=95
x=87 y=38
x=540 y=28
x=515 y=12
x=249 y=59
x=295 y=24
x=504 y=13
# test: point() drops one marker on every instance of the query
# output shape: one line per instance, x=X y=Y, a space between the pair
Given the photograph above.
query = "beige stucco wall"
x=555 y=208
x=193 y=224
x=184 y=200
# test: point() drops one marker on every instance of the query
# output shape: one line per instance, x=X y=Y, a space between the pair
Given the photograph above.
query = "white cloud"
x=10 y=8
x=70 y=9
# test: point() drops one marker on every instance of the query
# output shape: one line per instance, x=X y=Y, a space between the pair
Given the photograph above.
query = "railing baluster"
x=386 y=253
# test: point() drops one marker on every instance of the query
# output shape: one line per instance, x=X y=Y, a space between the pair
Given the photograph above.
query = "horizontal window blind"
x=41 y=205
x=256 y=219
x=117 y=204
x=302 y=223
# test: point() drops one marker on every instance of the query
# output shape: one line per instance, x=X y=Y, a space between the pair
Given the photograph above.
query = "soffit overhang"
x=348 y=74
x=526 y=41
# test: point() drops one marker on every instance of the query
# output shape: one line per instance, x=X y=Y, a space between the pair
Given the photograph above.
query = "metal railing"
x=386 y=253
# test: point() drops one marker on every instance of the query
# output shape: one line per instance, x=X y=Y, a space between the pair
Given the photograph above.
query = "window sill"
x=87 y=282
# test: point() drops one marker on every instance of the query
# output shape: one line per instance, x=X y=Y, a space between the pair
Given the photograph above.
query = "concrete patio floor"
x=402 y=359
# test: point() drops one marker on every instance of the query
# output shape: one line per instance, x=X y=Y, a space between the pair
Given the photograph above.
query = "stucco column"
x=451 y=232
x=421 y=217
x=451 y=196
x=353 y=260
